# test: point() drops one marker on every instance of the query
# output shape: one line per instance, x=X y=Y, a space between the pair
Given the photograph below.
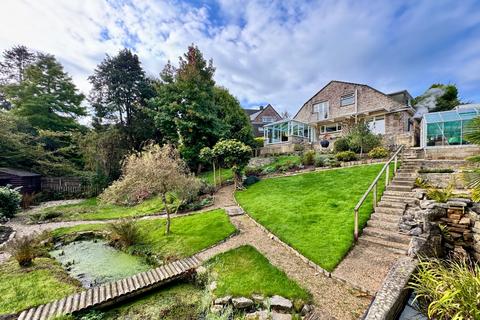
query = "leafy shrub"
x=269 y=169
x=341 y=144
x=440 y=195
x=421 y=183
x=10 y=200
x=321 y=160
x=259 y=142
x=23 y=249
x=308 y=158
x=124 y=233
x=448 y=289
x=253 y=171
x=378 y=153
x=44 y=216
x=250 y=180
x=298 y=147
x=346 y=156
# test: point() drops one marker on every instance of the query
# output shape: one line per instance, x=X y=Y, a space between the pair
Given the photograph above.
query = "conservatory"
x=284 y=131
x=447 y=128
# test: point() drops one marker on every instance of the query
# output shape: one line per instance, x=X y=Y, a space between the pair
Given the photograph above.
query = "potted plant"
x=325 y=142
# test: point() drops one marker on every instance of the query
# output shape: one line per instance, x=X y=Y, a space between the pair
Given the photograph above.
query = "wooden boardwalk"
x=112 y=292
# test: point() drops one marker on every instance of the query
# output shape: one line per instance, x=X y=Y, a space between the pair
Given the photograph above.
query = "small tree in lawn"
x=362 y=139
x=207 y=155
x=235 y=155
x=156 y=171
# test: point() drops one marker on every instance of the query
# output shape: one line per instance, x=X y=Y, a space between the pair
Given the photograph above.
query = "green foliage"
x=341 y=144
x=229 y=268
x=10 y=199
x=124 y=233
x=308 y=157
x=23 y=250
x=47 y=97
x=250 y=180
x=436 y=170
x=378 y=153
x=259 y=142
x=361 y=139
x=440 y=195
x=346 y=156
x=448 y=289
x=321 y=160
x=233 y=154
x=448 y=100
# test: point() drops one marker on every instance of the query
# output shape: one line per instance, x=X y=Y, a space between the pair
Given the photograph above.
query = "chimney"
x=261 y=108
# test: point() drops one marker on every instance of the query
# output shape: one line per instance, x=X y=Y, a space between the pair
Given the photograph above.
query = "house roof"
x=18 y=172
x=254 y=113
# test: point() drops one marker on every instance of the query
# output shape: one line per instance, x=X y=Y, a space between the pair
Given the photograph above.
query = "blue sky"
x=280 y=52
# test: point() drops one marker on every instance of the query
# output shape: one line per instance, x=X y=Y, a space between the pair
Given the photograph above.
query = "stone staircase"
x=382 y=228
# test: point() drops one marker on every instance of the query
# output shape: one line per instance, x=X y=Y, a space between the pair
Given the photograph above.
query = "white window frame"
x=270 y=119
x=322 y=109
x=345 y=97
x=373 y=120
x=338 y=125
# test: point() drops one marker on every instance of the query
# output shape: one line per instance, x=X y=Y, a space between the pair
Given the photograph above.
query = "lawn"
x=189 y=234
x=225 y=174
x=92 y=209
x=313 y=212
x=22 y=288
x=243 y=271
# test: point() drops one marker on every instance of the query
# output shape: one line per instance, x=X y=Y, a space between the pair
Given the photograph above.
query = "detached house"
x=262 y=116
x=336 y=107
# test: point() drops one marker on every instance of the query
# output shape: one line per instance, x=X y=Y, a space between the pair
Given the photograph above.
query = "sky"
x=277 y=52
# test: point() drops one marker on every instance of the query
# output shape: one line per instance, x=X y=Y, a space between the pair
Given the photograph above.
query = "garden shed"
x=29 y=181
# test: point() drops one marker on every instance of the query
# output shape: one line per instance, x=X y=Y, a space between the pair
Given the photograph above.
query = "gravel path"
x=334 y=299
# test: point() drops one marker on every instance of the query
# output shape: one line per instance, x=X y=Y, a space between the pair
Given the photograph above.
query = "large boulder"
x=279 y=303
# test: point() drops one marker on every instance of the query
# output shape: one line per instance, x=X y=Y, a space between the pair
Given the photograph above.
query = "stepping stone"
x=234 y=211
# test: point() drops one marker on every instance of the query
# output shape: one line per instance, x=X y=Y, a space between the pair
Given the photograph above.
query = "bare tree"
x=285 y=114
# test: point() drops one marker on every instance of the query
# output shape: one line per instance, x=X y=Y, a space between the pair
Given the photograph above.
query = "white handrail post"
x=395 y=165
x=355 y=234
x=375 y=196
x=387 y=174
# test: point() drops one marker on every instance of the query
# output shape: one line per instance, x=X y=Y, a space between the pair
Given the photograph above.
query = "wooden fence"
x=70 y=185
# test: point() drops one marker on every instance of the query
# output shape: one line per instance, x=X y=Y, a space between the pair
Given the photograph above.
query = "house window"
x=260 y=129
x=322 y=110
x=267 y=119
x=334 y=127
x=347 y=99
x=377 y=125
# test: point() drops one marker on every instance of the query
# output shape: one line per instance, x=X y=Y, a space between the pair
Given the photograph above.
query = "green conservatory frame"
x=285 y=131
x=447 y=128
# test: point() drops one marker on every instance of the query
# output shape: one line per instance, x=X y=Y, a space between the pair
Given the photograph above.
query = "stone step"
x=406 y=171
x=387 y=210
x=393 y=187
x=405 y=175
x=401 y=182
x=385 y=217
x=399 y=194
x=382 y=224
x=404 y=180
x=384 y=203
x=387 y=235
x=391 y=246
x=405 y=200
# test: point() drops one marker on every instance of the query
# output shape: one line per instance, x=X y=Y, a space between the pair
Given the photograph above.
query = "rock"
x=419 y=195
x=456 y=204
x=466 y=200
x=258 y=298
x=464 y=220
x=416 y=231
x=424 y=204
x=281 y=316
x=212 y=286
x=306 y=309
x=258 y=315
x=223 y=300
x=405 y=227
x=416 y=245
x=280 y=303
x=242 y=303
x=216 y=308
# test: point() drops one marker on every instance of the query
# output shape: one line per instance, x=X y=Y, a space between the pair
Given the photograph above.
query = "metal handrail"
x=373 y=186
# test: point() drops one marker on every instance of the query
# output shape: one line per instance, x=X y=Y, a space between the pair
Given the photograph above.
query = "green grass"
x=313 y=212
x=244 y=271
x=189 y=234
x=22 y=288
x=225 y=174
x=92 y=209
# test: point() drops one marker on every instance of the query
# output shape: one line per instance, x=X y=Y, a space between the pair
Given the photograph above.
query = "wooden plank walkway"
x=109 y=293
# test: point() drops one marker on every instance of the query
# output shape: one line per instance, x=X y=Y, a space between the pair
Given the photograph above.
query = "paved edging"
x=113 y=292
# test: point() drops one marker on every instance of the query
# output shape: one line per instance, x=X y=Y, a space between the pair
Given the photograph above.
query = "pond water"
x=93 y=262
x=410 y=311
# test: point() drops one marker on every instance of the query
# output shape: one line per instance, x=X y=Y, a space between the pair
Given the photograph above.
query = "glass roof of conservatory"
x=463 y=112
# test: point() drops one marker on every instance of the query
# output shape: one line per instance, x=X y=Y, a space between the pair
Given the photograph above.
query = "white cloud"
x=264 y=51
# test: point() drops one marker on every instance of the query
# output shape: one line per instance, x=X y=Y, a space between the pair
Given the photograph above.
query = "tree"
x=47 y=97
x=119 y=95
x=236 y=123
x=185 y=112
x=156 y=171
x=285 y=114
x=448 y=100
x=234 y=154
x=361 y=139
x=15 y=62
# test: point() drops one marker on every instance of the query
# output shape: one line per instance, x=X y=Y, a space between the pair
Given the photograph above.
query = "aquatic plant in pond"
x=94 y=262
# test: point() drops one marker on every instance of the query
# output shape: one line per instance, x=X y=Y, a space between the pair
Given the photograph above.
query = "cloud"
x=264 y=51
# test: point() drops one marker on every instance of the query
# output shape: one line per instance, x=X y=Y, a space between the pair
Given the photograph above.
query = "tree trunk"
x=214 y=176
x=167 y=210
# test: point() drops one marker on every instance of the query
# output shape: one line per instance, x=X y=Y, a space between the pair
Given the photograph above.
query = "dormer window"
x=267 y=119
x=322 y=110
x=347 y=99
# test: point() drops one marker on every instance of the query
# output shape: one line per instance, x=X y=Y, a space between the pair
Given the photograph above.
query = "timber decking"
x=108 y=293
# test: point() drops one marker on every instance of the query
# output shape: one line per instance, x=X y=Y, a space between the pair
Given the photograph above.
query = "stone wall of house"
x=269 y=111
x=452 y=152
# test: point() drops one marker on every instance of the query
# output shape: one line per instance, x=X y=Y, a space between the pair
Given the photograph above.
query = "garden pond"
x=94 y=262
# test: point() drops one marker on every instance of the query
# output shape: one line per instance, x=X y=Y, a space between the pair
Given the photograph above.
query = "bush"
x=332 y=163
x=346 y=156
x=253 y=171
x=321 y=160
x=308 y=158
x=124 y=233
x=250 y=180
x=340 y=145
x=447 y=289
x=23 y=249
x=259 y=141
x=378 y=153
x=440 y=195
x=10 y=200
